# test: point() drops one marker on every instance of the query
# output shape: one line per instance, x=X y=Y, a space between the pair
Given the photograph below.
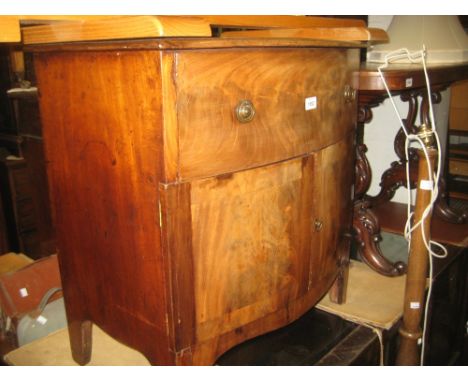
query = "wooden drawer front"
x=210 y=85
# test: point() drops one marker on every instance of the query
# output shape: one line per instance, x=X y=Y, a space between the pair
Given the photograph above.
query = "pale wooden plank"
x=255 y=21
x=130 y=27
x=9 y=29
x=321 y=33
x=122 y=27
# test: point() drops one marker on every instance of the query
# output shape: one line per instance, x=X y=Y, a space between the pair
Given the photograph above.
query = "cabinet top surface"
x=220 y=30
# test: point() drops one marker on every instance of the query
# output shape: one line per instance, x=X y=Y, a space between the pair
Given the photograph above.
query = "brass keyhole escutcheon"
x=349 y=93
x=245 y=111
x=318 y=225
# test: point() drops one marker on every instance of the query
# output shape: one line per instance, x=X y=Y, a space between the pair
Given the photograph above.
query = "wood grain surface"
x=266 y=255
x=10 y=26
x=86 y=28
x=361 y=33
x=103 y=171
x=280 y=21
x=118 y=27
x=212 y=141
x=398 y=76
x=177 y=240
x=257 y=256
x=184 y=43
x=182 y=232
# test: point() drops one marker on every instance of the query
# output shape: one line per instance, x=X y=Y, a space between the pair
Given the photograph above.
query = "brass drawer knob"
x=318 y=225
x=245 y=111
x=349 y=93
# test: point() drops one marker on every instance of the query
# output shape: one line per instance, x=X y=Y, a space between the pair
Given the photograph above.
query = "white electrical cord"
x=418 y=57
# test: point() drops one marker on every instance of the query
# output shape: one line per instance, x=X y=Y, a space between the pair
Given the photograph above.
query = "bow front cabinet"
x=201 y=188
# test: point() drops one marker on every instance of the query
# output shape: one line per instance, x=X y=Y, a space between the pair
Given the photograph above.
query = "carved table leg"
x=395 y=177
x=80 y=333
x=367 y=236
x=392 y=179
x=365 y=222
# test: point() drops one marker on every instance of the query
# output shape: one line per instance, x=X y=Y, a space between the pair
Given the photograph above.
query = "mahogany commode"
x=202 y=187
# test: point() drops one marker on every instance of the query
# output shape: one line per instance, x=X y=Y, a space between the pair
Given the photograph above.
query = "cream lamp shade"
x=444 y=37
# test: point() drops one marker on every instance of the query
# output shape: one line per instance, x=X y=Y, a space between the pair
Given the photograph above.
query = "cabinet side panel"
x=101 y=116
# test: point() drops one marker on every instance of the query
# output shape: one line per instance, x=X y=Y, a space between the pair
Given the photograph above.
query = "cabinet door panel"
x=251 y=243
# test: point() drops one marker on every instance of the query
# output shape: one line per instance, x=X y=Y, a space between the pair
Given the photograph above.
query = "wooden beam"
x=233 y=21
x=10 y=26
x=121 y=27
x=319 y=33
x=9 y=29
x=134 y=27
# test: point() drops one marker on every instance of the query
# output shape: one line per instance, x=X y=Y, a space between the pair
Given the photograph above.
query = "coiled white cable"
x=418 y=57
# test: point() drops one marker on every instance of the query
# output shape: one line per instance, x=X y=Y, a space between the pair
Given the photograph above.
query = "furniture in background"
x=26 y=112
x=202 y=187
x=30 y=303
x=408 y=82
x=19 y=207
x=28 y=222
x=9 y=263
x=5 y=117
x=4 y=244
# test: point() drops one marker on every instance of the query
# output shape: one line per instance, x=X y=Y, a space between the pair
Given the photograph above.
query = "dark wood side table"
x=407 y=81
